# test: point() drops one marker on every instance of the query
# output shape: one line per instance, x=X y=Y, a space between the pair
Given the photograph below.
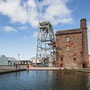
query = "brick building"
x=89 y=60
x=72 y=47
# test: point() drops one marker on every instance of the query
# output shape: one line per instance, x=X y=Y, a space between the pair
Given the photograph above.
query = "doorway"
x=84 y=66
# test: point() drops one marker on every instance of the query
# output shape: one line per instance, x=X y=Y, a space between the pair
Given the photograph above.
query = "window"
x=67 y=39
x=67 y=48
x=74 y=57
x=61 y=58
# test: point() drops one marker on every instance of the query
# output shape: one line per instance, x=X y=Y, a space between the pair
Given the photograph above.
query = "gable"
x=3 y=60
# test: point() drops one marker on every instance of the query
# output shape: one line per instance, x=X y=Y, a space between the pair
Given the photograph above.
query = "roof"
x=11 y=59
x=24 y=60
x=52 y=44
x=70 y=31
x=33 y=59
x=2 y=55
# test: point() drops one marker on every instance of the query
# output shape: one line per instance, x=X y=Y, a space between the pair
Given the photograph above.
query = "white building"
x=7 y=60
x=33 y=59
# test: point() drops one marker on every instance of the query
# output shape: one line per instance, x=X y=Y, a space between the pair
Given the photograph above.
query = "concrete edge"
x=12 y=71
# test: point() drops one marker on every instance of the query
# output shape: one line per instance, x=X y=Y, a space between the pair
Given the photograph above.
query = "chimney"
x=83 y=24
x=83 y=27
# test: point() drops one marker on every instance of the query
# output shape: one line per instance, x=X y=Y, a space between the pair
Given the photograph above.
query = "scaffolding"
x=44 y=40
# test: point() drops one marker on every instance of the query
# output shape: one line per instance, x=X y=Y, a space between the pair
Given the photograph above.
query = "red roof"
x=43 y=60
x=53 y=44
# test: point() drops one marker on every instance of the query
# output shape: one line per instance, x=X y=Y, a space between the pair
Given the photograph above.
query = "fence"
x=12 y=67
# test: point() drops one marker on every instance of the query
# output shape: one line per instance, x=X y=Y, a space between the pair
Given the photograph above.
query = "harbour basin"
x=45 y=80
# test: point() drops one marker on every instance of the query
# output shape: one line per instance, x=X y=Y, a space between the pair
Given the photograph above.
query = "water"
x=45 y=80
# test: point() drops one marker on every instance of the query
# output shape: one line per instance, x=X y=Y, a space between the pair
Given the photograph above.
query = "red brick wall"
x=75 y=45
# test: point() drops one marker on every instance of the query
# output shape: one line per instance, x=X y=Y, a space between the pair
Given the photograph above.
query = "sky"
x=19 y=22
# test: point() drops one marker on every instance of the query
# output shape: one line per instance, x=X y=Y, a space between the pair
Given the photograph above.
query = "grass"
x=86 y=69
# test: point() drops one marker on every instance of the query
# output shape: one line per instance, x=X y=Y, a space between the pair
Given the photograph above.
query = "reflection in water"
x=28 y=71
x=72 y=81
x=45 y=80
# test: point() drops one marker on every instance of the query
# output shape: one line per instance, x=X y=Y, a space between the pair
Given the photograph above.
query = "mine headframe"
x=44 y=40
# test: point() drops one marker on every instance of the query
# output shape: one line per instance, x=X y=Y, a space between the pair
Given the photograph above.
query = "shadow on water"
x=45 y=80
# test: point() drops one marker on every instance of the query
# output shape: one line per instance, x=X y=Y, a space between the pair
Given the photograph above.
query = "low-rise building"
x=7 y=60
x=12 y=61
x=24 y=62
x=33 y=59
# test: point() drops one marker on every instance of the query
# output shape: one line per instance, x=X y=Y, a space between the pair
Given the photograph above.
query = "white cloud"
x=14 y=10
x=33 y=11
x=35 y=34
x=22 y=27
x=10 y=29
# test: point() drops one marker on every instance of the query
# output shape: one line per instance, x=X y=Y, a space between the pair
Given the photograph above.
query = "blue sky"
x=19 y=22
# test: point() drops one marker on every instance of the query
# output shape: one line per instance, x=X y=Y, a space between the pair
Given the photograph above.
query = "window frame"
x=67 y=38
x=74 y=57
x=61 y=57
x=67 y=49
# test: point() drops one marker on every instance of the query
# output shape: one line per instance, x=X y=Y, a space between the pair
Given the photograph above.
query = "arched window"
x=67 y=39
x=74 y=58
x=67 y=48
x=61 y=57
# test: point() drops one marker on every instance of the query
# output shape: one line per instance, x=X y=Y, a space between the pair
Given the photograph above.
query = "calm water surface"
x=45 y=80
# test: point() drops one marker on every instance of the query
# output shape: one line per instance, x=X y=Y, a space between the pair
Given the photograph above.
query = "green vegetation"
x=87 y=69
x=67 y=70
x=73 y=70
x=30 y=62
